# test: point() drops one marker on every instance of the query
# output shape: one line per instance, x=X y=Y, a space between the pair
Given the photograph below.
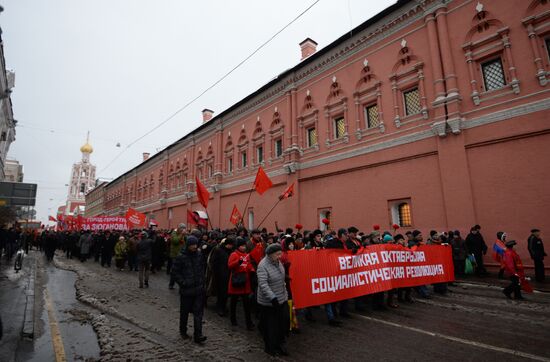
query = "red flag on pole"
x=235 y=215
x=51 y=218
x=202 y=193
x=191 y=218
x=262 y=183
x=289 y=192
x=135 y=218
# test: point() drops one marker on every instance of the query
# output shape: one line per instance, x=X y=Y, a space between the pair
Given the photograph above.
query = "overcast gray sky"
x=119 y=67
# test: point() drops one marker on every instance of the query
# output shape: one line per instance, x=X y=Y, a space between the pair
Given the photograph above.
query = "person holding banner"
x=273 y=299
x=239 y=286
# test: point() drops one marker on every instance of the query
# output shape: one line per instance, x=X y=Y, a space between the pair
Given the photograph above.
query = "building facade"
x=432 y=115
x=82 y=180
x=13 y=171
x=7 y=122
x=94 y=200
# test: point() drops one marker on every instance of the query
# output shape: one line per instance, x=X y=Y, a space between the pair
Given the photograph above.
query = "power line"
x=209 y=87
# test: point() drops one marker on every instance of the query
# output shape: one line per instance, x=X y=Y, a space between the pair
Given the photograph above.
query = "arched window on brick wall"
x=538 y=14
x=487 y=49
x=276 y=137
x=368 y=103
x=308 y=124
x=336 y=115
x=258 y=144
x=228 y=155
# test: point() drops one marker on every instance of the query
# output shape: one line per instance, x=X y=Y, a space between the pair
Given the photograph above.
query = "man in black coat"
x=220 y=272
x=189 y=272
x=536 y=249
x=475 y=244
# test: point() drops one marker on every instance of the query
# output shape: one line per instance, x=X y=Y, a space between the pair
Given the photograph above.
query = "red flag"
x=258 y=253
x=60 y=217
x=262 y=183
x=289 y=192
x=135 y=218
x=191 y=218
x=202 y=193
x=235 y=215
x=51 y=218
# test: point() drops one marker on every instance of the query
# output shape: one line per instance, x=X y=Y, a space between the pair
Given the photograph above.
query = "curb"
x=28 y=321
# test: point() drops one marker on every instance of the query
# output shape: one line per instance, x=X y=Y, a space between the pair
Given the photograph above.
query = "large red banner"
x=327 y=276
x=104 y=223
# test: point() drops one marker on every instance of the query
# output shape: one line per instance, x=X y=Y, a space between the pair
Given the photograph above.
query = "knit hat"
x=342 y=231
x=273 y=248
x=535 y=230
x=317 y=232
x=416 y=233
x=182 y=226
x=192 y=240
x=352 y=229
x=240 y=241
x=510 y=243
x=388 y=238
x=398 y=237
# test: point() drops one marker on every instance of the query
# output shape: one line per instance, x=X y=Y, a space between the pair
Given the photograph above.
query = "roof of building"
x=318 y=54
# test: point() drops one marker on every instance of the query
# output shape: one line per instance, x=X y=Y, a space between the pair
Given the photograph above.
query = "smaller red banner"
x=135 y=218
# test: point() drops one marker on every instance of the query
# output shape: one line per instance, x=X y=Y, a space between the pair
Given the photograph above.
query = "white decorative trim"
x=507 y=114
x=409 y=138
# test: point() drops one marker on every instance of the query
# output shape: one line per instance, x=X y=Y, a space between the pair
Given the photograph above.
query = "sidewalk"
x=492 y=280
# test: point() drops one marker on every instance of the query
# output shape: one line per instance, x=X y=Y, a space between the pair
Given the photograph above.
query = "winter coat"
x=512 y=263
x=189 y=272
x=85 y=243
x=240 y=263
x=176 y=242
x=459 y=249
x=132 y=246
x=121 y=249
x=271 y=282
x=475 y=243
x=334 y=243
x=219 y=269
x=145 y=250
x=536 y=248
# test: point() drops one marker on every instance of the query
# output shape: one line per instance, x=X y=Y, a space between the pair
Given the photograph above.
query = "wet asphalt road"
x=12 y=306
x=474 y=322
x=68 y=316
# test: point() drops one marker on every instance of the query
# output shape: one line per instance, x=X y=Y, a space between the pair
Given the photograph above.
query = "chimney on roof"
x=206 y=115
x=308 y=46
x=146 y=156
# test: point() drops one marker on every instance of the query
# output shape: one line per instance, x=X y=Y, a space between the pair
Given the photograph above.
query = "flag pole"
x=269 y=213
x=209 y=222
x=246 y=206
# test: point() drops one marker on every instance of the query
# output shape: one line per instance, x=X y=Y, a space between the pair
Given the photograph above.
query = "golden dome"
x=87 y=148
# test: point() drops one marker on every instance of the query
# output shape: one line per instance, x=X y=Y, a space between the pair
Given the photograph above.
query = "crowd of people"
x=252 y=268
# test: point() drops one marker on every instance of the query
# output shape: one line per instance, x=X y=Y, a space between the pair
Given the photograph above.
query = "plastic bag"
x=468 y=267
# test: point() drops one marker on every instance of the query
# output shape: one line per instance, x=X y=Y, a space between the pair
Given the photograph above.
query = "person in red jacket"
x=241 y=267
x=514 y=268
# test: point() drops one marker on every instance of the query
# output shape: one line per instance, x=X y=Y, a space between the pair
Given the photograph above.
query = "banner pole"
x=209 y=222
x=269 y=213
